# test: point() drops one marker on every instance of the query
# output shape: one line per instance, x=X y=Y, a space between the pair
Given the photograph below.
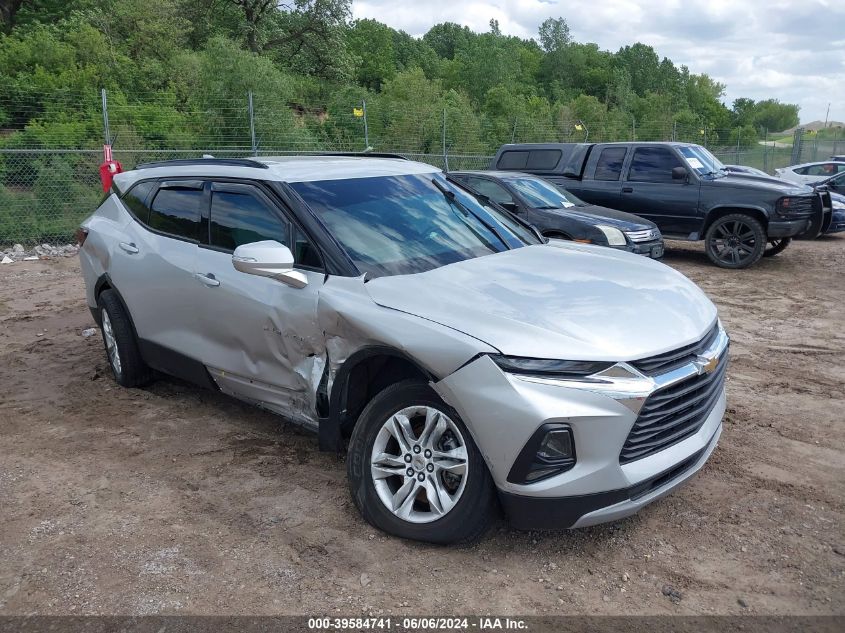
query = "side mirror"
x=679 y=173
x=268 y=259
x=513 y=207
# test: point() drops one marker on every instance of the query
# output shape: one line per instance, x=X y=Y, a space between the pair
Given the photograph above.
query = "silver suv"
x=470 y=364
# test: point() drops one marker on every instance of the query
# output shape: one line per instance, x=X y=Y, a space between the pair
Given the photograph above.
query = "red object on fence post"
x=109 y=168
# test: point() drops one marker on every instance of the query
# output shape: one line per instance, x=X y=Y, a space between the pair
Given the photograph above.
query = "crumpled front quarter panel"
x=351 y=321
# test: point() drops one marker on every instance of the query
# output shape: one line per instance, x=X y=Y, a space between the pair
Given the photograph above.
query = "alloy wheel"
x=111 y=343
x=419 y=464
x=733 y=242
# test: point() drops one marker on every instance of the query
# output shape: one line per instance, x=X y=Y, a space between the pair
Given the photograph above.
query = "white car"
x=811 y=172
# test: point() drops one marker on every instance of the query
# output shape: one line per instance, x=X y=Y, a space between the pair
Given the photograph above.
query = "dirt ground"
x=176 y=500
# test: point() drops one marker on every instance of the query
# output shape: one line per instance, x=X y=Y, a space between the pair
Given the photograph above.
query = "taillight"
x=81 y=234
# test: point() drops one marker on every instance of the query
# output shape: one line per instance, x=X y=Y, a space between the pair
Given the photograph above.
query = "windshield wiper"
x=452 y=199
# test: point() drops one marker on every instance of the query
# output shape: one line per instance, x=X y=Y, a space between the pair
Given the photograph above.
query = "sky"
x=791 y=50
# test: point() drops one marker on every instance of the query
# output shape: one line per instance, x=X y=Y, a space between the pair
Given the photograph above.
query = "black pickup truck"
x=682 y=188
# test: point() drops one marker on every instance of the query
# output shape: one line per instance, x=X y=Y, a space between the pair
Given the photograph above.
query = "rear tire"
x=777 y=246
x=444 y=499
x=735 y=241
x=122 y=351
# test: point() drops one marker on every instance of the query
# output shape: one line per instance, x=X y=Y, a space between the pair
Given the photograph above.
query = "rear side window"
x=543 y=158
x=513 y=160
x=177 y=211
x=609 y=165
x=243 y=218
x=136 y=200
x=827 y=169
x=653 y=164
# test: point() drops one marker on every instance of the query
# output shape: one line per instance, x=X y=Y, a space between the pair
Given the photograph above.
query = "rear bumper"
x=547 y=513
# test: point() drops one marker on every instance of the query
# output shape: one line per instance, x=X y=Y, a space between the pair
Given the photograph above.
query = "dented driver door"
x=261 y=342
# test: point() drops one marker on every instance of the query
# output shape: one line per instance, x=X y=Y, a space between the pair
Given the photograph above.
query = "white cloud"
x=792 y=50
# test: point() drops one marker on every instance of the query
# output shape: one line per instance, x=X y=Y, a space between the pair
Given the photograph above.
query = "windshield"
x=398 y=225
x=541 y=194
x=701 y=160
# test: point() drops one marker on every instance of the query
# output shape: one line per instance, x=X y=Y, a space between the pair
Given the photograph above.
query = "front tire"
x=414 y=470
x=776 y=246
x=735 y=241
x=122 y=351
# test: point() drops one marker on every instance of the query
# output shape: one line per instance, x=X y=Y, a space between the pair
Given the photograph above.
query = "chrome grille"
x=646 y=235
x=662 y=363
x=674 y=413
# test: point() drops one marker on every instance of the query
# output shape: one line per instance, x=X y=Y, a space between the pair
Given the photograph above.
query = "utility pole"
x=445 y=155
x=252 y=124
x=366 y=129
x=826 y=116
x=106 y=131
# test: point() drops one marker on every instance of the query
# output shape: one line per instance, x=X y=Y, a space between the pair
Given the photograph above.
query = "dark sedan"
x=558 y=214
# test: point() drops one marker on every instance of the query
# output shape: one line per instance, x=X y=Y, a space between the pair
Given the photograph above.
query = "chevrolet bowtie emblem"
x=707 y=365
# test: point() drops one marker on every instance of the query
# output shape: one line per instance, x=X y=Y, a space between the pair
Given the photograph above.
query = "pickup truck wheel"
x=776 y=246
x=735 y=241
x=414 y=470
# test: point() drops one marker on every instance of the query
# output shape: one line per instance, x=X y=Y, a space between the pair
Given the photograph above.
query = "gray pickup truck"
x=683 y=189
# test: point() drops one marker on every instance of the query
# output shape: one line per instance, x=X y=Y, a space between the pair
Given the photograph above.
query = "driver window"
x=488 y=188
x=242 y=218
x=653 y=164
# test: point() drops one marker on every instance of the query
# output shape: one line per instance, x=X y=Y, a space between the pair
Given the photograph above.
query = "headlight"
x=838 y=204
x=794 y=206
x=615 y=237
x=548 y=366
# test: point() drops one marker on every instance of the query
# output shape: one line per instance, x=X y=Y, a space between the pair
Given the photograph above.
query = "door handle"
x=129 y=247
x=208 y=280
x=627 y=190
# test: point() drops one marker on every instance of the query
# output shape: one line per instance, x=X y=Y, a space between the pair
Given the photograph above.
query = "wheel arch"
x=105 y=283
x=758 y=213
x=358 y=380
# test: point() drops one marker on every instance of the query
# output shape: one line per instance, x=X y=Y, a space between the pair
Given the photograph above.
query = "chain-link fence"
x=49 y=178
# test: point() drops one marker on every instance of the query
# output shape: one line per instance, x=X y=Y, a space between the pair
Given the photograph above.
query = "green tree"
x=448 y=38
x=307 y=35
x=371 y=42
x=554 y=35
x=776 y=116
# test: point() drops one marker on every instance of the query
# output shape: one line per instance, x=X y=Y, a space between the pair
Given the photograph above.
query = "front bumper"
x=502 y=411
x=653 y=248
x=787 y=228
x=548 y=513
x=837 y=223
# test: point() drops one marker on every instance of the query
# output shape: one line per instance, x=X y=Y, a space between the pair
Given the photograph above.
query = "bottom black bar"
x=402 y=624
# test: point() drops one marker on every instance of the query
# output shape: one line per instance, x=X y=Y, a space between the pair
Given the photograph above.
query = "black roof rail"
x=362 y=154
x=177 y=162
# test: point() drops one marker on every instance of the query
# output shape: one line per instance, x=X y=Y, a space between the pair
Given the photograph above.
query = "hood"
x=558 y=300
x=774 y=180
x=772 y=185
x=602 y=215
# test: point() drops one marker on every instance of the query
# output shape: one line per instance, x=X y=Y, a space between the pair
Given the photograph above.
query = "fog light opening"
x=550 y=451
